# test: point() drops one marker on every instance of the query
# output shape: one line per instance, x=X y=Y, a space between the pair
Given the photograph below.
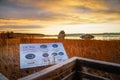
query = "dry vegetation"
x=94 y=49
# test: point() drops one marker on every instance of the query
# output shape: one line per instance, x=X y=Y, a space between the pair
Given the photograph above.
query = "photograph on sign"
x=34 y=55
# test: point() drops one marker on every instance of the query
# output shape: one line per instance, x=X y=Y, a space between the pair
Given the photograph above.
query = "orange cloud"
x=60 y=12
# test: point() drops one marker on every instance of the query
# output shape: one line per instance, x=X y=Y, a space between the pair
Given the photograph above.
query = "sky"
x=52 y=16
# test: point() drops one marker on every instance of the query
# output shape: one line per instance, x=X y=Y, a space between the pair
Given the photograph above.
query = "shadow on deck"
x=78 y=68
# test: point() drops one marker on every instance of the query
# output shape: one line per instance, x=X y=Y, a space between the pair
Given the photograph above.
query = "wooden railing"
x=77 y=68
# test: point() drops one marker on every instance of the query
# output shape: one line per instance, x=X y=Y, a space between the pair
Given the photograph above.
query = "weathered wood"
x=52 y=71
x=99 y=65
x=91 y=76
x=56 y=72
x=69 y=75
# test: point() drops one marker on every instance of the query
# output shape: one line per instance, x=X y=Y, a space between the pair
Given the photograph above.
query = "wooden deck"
x=77 y=68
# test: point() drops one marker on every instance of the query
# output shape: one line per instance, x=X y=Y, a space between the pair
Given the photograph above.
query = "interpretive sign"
x=34 y=55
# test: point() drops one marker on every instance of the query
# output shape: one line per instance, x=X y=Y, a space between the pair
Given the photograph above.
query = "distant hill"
x=28 y=34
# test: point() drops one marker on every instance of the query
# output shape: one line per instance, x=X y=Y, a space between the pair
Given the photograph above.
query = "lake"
x=97 y=37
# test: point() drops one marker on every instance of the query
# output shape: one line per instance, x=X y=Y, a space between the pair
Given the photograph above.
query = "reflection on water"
x=107 y=37
x=98 y=37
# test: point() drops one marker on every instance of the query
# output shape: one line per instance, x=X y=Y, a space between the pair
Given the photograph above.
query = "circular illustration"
x=45 y=55
x=30 y=56
x=43 y=46
x=60 y=53
x=54 y=54
x=54 y=45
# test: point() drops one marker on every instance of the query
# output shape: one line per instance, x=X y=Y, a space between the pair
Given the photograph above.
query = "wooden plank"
x=77 y=62
x=69 y=75
x=51 y=71
x=100 y=65
x=91 y=76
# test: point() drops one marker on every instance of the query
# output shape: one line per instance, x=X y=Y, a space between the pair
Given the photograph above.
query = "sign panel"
x=34 y=55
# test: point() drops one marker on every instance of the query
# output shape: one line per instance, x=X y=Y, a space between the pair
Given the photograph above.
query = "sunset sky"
x=51 y=16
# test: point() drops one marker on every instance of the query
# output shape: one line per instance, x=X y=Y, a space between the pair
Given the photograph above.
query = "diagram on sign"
x=34 y=55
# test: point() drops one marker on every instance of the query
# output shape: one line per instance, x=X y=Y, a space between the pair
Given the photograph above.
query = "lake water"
x=98 y=37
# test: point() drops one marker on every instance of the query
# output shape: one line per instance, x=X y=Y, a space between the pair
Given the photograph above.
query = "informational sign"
x=34 y=55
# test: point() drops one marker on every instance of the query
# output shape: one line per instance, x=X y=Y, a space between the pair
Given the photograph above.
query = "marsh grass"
x=93 y=49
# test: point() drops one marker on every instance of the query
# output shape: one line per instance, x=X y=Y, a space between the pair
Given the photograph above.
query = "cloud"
x=25 y=26
x=24 y=13
x=82 y=9
x=19 y=9
x=60 y=11
x=113 y=4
